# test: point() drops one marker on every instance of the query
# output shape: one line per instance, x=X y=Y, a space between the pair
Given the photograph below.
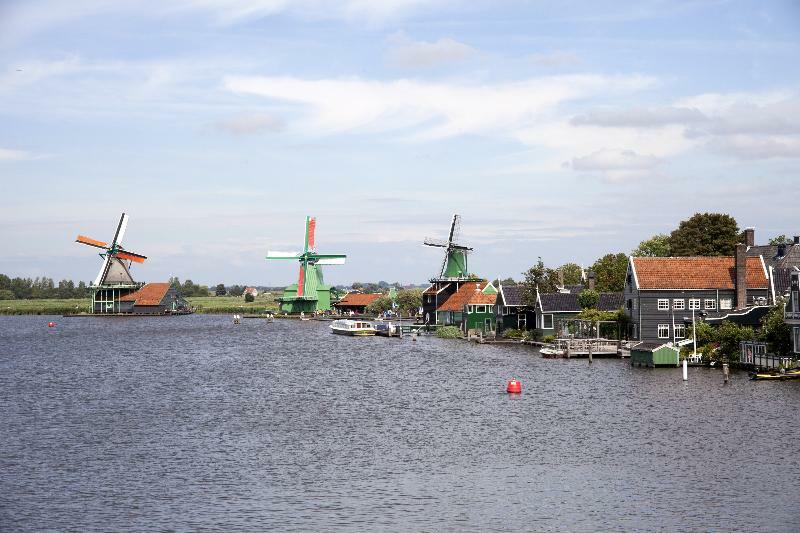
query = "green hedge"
x=448 y=332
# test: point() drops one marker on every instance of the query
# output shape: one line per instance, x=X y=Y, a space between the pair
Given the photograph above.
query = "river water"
x=193 y=422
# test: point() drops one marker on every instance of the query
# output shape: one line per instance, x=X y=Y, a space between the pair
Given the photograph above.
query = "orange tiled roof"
x=467 y=294
x=358 y=299
x=696 y=272
x=150 y=294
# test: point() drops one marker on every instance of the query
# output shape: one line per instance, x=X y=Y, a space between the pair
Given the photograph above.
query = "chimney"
x=591 y=280
x=741 y=276
x=750 y=237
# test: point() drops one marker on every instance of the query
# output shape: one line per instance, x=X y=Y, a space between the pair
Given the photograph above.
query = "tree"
x=409 y=300
x=706 y=234
x=655 y=246
x=236 y=290
x=504 y=282
x=609 y=272
x=6 y=294
x=175 y=283
x=776 y=332
x=572 y=273
x=538 y=276
x=730 y=335
x=588 y=299
x=384 y=303
x=220 y=289
x=780 y=239
x=249 y=297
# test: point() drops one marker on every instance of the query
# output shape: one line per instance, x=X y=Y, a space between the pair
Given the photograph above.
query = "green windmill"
x=454 y=265
x=310 y=294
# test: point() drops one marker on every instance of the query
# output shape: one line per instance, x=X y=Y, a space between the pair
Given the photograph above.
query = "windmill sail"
x=114 y=270
x=454 y=262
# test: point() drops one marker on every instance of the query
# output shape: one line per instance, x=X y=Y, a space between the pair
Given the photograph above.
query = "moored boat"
x=789 y=374
x=387 y=329
x=356 y=328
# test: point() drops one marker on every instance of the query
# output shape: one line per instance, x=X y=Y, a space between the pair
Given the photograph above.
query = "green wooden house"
x=654 y=354
x=471 y=308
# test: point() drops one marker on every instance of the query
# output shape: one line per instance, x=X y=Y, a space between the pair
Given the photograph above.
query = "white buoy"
x=685 y=370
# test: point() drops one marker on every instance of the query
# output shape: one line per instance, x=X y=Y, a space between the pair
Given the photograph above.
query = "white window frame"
x=726 y=303
x=679 y=303
x=694 y=303
x=544 y=321
x=663 y=304
x=663 y=331
x=680 y=331
x=480 y=308
x=712 y=301
x=470 y=309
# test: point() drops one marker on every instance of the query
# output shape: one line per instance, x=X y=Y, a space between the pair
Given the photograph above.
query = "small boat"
x=356 y=328
x=777 y=376
x=387 y=329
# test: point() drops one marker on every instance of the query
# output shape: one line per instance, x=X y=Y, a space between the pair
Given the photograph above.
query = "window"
x=663 y=304
x=663 y=331
x=680 y=331
x=679 y=304
x=521 y=321
x=470 y=309
x=711 y=304
x=694 y=303
x=629 y=304
x=796 y=340
x=547 y=321
x=480 y=308
x=726 y=303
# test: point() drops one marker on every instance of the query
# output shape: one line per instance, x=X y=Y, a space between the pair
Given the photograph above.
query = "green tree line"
x=39 y=288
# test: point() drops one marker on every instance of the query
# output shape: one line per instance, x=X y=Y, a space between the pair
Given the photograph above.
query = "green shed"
x=654 y=354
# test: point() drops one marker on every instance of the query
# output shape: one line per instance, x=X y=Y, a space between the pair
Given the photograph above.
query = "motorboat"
x=355 y=328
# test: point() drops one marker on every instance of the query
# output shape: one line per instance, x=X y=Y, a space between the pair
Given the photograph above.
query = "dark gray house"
x=553 y=310
x=791 y=313
x=154 y=299
x=511 y=311
x=661 y=293
x=781 y=261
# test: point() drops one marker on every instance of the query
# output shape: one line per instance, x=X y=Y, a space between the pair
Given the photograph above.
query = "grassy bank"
x=44 y=307
x=204 y=304
x=233 y=304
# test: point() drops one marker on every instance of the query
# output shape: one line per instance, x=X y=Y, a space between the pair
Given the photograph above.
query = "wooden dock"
x=568 y=348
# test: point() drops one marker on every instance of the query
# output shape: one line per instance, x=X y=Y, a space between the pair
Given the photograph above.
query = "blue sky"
x=564 y=130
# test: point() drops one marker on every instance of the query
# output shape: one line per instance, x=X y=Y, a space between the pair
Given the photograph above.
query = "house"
x=439 y=291
x=154 y=299
x=470 y=307
x=661 y=293
x=780 y=259
x=654 y=354
x=356 y=302
x=250 y=290
x=510 y=310
x=791 y=313
x=554 y=310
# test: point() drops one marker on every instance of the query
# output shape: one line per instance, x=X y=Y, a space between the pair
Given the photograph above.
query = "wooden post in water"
x=725 y=373
x=685 y=371
x=590 y=352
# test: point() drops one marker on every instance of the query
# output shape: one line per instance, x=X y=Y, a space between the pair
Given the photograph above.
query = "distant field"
x=204 y=304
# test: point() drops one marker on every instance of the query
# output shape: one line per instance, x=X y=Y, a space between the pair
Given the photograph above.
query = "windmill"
x=114 y=270
x=454 y=265
x=310 y=294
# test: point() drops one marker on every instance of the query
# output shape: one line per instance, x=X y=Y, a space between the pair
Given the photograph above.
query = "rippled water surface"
x=194 y=422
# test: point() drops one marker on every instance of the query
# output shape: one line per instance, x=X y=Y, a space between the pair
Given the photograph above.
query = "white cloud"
x=556 y=58
x=422 y=110
x=7 y=154
x=406 y=53
x=251 y=123
x=640 y=117
x=754 y=147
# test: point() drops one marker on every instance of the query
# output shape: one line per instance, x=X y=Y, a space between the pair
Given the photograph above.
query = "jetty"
x=567 y=348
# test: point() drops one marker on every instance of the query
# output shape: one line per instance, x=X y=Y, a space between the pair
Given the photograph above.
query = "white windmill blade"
x=331 y=261
x=283 y=255
x=99 y=277
x=123 y=226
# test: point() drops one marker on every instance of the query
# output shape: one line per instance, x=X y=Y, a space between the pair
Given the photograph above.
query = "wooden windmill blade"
x=311 y=229
x=331 y=260
x=301 y=281
x=130 y=256
x=271 y=254
x=103 y=270
x=91 y=242
x=121 y=227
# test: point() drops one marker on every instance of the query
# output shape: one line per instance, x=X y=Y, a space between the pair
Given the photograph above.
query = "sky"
x=556 y=129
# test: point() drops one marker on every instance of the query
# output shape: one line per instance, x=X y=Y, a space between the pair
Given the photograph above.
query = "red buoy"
x=51 y=324
x=514 y=387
